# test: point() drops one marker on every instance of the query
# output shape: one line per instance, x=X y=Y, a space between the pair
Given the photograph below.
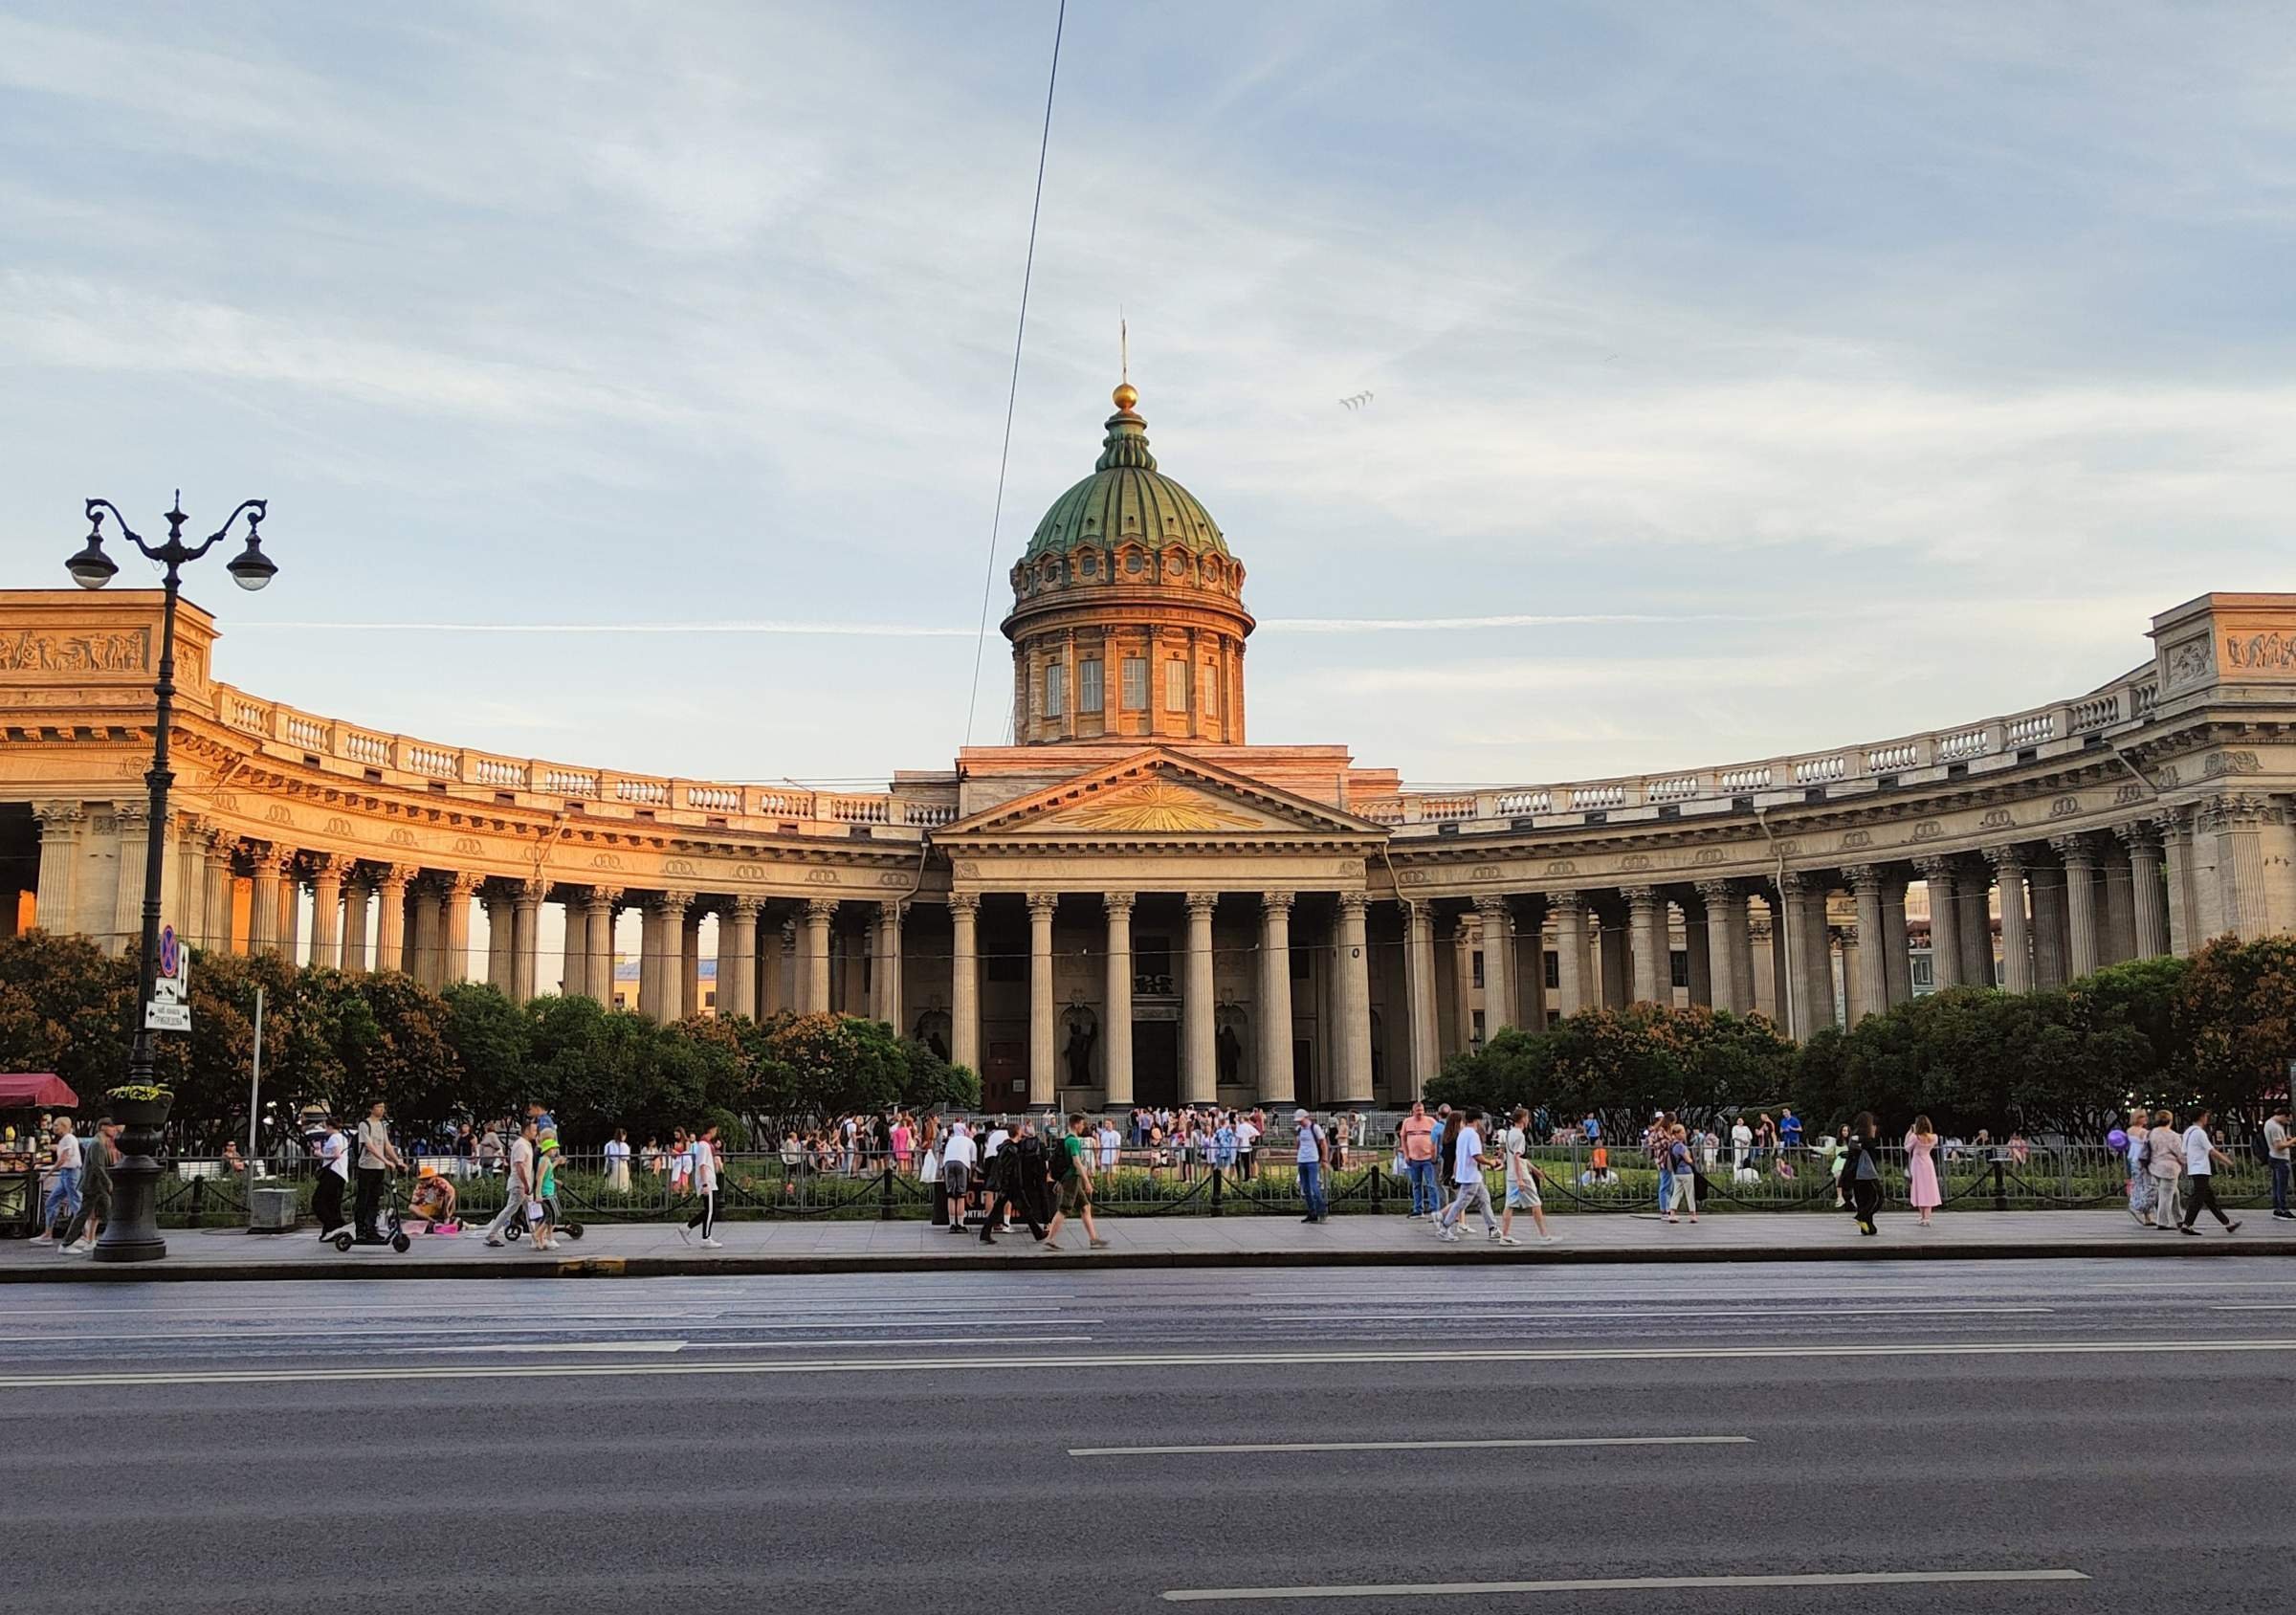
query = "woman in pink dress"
x=1921 y=1169
x=899 y=1138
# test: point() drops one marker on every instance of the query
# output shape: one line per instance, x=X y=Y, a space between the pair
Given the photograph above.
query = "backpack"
x=1027 y=1160
x=1064 y=1165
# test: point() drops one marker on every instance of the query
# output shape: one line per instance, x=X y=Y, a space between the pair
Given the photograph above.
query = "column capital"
x=1863 y=877
x=1272 y=903
x=823 y=909
x=2141 y=837
x=332 y=866
x=1800 y=882
x=602 y=899
x=193 y=825
x=2172 y=822
x=1042 y=903
x=1641 y=900
x=1845 y=933
x=1351 y=904
x=1415 y=909
x=135 y=812
x=1491 y=904
x=221 y=842
x=395 y=876
x=460 y=883
x=1118 y=905
x=2074 y=847
x=742 y=906
x=1717 y=891
x=671 y=903
x=966 y=903
x=59 y=815
x=2008 y=862
x=1937 y=869
x=1201 y=903
x=271 y=858
x=1567 y=903
x=891 y=908
x=530 y=891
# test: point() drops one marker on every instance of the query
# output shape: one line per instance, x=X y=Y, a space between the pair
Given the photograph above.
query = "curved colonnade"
x=1270 y=922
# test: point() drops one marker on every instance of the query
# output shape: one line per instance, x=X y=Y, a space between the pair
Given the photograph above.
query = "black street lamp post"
x=132 y=1235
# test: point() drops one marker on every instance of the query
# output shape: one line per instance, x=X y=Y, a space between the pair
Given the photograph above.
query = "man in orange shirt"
x=1416 y=1135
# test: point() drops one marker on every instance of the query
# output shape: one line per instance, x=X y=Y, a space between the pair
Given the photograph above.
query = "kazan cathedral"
x=1135 y=901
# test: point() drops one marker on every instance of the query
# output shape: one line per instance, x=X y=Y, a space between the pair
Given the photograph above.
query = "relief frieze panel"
x=120 y=651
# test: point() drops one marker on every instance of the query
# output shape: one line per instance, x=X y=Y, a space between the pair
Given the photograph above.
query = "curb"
x=357 y=1269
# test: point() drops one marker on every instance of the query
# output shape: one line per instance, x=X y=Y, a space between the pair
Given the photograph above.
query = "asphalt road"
x=953 y=1442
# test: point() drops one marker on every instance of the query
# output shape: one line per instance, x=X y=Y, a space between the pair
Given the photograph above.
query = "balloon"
x=2117 y=1138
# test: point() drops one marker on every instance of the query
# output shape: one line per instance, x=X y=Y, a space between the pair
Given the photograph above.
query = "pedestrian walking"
x=2277 y=1159
x=517 y=1188
x=333 y=1177
x=1415 y=1140
x=2165 y=1161
x=2137 y=1151
x=1073 y=1177
x=2201 y=1159
x=1862 y=1170
x=958 y=1154
x=1311 y=1156
x=617 y=1163
x=97 y=1155
x=1468 y=1162
x=1685 y=1173
x=1249 y=1128
x=704 y=1149
x=1522 y=1179
x=1019 y=1173
x=1921 y=1169
x=545 y=1187
x=378 y=1157
x=61 y=1203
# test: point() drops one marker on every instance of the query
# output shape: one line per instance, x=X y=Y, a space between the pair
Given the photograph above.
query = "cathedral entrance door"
x=1156 y=1062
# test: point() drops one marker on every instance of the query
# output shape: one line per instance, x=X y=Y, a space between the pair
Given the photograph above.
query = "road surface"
x=1996 y=1436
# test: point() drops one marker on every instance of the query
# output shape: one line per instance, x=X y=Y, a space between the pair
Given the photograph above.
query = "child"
x=546 y=1160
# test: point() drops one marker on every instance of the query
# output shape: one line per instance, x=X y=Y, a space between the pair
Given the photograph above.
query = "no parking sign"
x=171 y=1005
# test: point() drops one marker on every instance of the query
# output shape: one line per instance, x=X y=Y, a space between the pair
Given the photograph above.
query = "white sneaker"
x=1548 y=1238
x=1493 y=1233
x=1449 y=1236
x=78 y=1247
x=1506 y=1239
x=712 y=1245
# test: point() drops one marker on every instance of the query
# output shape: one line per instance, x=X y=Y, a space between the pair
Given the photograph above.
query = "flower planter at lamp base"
x=132 y=1235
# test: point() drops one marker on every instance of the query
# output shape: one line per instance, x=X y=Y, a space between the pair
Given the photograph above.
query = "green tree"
x=2237 y=1014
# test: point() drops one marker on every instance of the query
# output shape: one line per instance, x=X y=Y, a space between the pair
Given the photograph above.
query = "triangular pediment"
x=1158 y=795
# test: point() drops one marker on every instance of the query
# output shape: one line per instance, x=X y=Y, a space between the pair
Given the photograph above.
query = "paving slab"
x=651 y=1249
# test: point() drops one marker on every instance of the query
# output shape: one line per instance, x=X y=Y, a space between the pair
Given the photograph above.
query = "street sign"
x=171 y=1005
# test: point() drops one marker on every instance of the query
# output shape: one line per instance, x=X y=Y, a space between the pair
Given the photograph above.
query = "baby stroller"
x=394 y=1234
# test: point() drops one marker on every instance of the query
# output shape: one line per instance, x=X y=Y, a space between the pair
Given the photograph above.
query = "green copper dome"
x=1126 y=497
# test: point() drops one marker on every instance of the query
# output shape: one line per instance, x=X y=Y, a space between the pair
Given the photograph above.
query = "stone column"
x=454 y=930
x=126 y=928
x=1527 y=953
x=1854 y=1007
x=965 y=981
x=1354 y=964
x=391 y=917
x=1699 y=953
x=657 y=958
x=2044 y=890
x=2236 y=822
x=2119 y=941
x=1044 y=1046
x=1617 y=985
x=1568 y=908
x=326 y=909
x=574 y=966
x=2147 y=895
x=675 y=944
x=358 y=912
x=1871 y=975
x=1897 y=955
x=737 y=958
x=60 y=825
x=2017 y=940
x=1463 y=980
x=1717 y=895
x=2080 y=856
x=185 y=880
x=525 y=936
x=813 y=956
x=1275 y=1072
x=215 y=909
x=1198 y=1046
x=1115 y=1000
x=421 y=928
x=1498 y=965
x=777 y=945
x=1809 y=955
x=2175 y=826
x=1945 y=931
x=1973 y=890
x=1419 y=978
x=1781 y=996
x=270 y=865
x=887 y=981
x=291 y=910
x=689 y=962
x=495 y=899
x=1653 y=981
x=600 y=905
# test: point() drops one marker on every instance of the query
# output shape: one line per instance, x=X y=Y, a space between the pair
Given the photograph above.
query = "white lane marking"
x=1416 y=1446
x=1696 y=1312
x=1171 y=1359
x=1620 y=1583
x=2254 y=1306
x=324 y=1333
x=665 y=1347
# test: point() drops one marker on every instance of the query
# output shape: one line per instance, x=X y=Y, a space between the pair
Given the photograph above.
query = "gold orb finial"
x=1126 y=395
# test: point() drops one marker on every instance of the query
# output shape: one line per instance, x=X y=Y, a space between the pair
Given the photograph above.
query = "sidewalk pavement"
x=652 y=1249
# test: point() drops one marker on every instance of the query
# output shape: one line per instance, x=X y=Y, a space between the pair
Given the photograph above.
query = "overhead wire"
x=988 y=581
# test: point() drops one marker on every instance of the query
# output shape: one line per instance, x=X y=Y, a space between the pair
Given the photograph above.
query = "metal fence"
x=876 y=1186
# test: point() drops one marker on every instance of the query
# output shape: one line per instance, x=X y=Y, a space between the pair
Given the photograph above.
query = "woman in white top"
x=617 y=1163
x=702 y=1153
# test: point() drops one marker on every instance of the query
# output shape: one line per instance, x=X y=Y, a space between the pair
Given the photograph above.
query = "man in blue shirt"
x=1789 y=1129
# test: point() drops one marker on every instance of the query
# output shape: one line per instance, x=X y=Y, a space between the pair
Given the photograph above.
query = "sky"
x=629 y=381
